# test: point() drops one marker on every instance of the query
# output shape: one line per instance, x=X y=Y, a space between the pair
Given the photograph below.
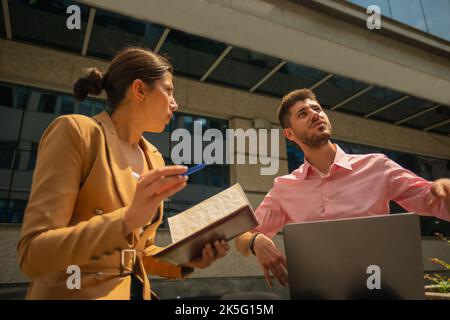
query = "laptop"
x=377 y=257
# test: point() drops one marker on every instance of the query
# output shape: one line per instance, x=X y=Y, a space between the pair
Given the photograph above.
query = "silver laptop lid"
x=376 y=257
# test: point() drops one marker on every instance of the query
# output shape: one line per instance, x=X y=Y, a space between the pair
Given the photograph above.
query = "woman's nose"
x=173 y=105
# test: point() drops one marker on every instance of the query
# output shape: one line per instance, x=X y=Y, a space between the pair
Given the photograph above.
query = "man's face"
x=309 y=125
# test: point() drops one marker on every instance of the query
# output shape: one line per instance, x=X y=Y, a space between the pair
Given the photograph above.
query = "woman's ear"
x=138 y=89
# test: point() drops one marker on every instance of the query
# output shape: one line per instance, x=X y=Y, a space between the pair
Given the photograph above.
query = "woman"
x=86 y=210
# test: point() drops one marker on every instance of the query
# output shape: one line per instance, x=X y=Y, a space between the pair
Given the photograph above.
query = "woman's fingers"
x=170 y=192
x=163 y=184
x=153 y=175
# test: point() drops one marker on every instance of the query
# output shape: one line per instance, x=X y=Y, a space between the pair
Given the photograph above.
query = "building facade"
x=385 y=90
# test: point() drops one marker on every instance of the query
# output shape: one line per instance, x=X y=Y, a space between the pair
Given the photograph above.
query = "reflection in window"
x=6 y=96
x=2 y=21
x=430 y=118
x=85 y=108
x=32 y=156
x=243 y=68
x=383 y=4
x=373 y=99
x=12 y=210
x=437 y=15
x=290 y=77
x=409 y=12
x=7 y=154
x=191 y=55
x=12 y=96
x=47 y=102
x=44 y=22
x=99 y=107
x=336 y=89
x=66 y=105
x=403 y=109
x=431 y=16
x=112 y=32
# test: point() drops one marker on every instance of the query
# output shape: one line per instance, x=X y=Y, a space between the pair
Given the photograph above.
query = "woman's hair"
x=128 y=65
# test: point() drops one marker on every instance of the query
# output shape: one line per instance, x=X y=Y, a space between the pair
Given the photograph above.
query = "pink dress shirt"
x=355 y=186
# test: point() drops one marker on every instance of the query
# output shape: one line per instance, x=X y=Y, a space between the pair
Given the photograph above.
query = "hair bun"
x=90 y=83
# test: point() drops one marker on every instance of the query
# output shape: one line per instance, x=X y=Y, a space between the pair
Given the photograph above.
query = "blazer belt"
x=123 y=269
x=134 y=255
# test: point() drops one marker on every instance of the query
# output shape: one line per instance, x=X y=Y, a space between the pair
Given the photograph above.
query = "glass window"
x=383 y=4
x=373 y=99
x=445 y=129
x=21 y=96
x=47 y=102
x=430 y=118
x=336 y=89
x=403 y=109
x=290 y=77
x=6 y=96
x=191 y=55
x=2 y=21
x=7 y=154
x=409 y=12
x=437 y=15
x=12 y=210
x=99 y=106
x=44 y=22
x=32 y=156
x=67 y=105
x=112 y=32
x=243 y=68
x=85 y=107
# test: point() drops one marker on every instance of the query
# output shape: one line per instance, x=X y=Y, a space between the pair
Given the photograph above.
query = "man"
x=331 y=184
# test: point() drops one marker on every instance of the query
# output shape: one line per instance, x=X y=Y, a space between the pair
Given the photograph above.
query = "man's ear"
x=287 y=132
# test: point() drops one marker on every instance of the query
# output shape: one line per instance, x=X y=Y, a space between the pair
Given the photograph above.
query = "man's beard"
x=315 y=140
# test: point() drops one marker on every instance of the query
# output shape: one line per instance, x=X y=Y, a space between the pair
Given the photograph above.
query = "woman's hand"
x=209 y=255
x=152 y=188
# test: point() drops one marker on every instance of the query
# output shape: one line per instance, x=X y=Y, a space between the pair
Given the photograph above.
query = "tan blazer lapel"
x=121 y=170
x=152 y=159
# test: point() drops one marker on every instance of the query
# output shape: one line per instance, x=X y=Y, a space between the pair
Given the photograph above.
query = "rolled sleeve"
x=411 y=191
x=270 y=215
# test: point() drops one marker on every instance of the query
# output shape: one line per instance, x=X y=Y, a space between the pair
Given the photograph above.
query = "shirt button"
x=99 y=275
x=98 y=211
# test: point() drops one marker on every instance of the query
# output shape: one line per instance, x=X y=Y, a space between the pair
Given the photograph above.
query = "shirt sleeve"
x=270 y=215
x=411 y=191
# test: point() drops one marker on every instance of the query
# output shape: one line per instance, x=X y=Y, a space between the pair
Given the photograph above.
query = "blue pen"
x=194 y=169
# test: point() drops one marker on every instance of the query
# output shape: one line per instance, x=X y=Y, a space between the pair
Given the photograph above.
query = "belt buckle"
x=122 y=259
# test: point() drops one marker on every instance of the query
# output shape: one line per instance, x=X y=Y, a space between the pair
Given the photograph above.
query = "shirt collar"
x=341 y=159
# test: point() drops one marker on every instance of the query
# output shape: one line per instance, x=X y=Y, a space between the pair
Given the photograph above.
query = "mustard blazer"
x=82 y=186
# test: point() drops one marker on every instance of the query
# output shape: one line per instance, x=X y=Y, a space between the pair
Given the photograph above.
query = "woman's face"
x=159 y=104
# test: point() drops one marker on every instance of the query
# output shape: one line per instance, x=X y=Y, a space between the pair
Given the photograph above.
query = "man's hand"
x=209 y=255
x=440 y=189
x=271 y=260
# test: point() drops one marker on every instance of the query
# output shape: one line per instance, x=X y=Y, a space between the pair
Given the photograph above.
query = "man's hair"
x=288 y=101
